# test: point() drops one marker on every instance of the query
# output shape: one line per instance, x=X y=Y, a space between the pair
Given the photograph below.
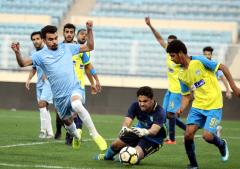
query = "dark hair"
x=208 y=48
x=48 y=29
x=172 y=37
x=176 y=46
x=36 y=33
x=69 y=26
x=145 y=91
x=80 y=30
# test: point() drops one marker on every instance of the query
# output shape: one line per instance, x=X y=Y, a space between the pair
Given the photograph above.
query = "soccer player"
x=56 y=62
x=89 y=69
x=172 y=98
x=43 y=90
x=148 y=135
x=68 y=34
x=197 y=74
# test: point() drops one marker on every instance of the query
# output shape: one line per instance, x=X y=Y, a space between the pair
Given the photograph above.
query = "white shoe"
x=219 y=130
x=42 y=135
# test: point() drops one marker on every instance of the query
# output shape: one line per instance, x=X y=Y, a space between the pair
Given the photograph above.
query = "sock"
x=49 y=124
x=219 y=143
x=172 y=124
x=58 y=124
x=190 y=150
x=71 y=129
x=78 y=122
x=85 y=117
x=43 y=119
x=180 y=124
x=110 y=153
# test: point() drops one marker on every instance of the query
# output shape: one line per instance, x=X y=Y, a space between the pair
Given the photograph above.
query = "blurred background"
x=126 y=54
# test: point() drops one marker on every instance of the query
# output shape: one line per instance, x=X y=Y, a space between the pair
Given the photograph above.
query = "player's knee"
x=170 y=115
x=117 y=145
x=76 y=105
x=42 y=104
x=188 y=136
x=68 y=121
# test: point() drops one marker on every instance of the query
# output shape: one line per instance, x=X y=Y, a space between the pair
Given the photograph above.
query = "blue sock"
x=190 y=150
x=180 y=124
x=78 y=122
x=172 y=124
x=110 y=153
x=216 y=141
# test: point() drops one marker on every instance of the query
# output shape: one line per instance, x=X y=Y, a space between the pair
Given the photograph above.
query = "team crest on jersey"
x=198 y=72
x=151 y=118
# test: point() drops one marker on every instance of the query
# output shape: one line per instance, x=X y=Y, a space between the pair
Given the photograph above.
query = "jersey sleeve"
x=209 y=64
x=184 y=88
x=74 y=48
x=85 y=58
x=131 y=111
x=159 y=117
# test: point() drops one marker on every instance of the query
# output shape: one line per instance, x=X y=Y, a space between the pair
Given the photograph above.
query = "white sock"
x=85 y=117
x=43 y=119
x=72 y=130
x=49 y=124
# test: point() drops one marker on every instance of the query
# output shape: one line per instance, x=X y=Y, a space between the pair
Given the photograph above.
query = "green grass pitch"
x=20 y=146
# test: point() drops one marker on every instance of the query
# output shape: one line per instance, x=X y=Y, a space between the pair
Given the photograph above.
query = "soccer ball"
x=128 y=155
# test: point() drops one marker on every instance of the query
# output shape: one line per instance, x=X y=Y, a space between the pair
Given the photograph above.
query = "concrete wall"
x=112 y=100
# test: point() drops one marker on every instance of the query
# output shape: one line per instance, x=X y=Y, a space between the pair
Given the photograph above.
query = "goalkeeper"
x=148 y=135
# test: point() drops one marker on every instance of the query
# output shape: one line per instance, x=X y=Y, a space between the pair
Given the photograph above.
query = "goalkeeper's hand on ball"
x=140 y=131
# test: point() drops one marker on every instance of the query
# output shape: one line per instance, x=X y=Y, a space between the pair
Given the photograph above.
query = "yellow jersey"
x=200 y=77
x=172 y=74
x=79 y=61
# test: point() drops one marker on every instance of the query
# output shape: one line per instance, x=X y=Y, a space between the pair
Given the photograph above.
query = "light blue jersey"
x=58 y=67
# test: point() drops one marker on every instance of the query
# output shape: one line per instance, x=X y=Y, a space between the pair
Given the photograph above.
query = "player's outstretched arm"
x=156 y=33
x=22 y=62
x=228 y=92
x=90 y=78
x=31 y=74
x=231 y=82
x=89 y=46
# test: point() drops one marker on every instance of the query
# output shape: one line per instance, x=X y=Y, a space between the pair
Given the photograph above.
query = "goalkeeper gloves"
x=140 y=131
x=124 y=130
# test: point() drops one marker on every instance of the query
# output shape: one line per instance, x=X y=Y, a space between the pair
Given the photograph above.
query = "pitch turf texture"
x=20 y=146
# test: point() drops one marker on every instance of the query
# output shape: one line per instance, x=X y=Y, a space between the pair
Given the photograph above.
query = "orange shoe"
x=170 y=142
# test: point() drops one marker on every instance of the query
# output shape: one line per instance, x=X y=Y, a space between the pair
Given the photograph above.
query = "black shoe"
x=57 y=135
x=191 y=167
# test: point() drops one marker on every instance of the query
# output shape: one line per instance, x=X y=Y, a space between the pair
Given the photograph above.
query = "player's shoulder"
x=158 y=108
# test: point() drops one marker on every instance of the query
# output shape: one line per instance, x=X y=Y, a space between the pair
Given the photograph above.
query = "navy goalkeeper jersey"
x=147 y=119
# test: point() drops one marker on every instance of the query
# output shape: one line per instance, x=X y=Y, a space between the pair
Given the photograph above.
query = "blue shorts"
x=63 y=104
x=206 y=119
x=172 y=102
x=45 y=93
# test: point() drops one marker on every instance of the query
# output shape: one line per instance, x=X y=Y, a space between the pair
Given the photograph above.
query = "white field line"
x=85 y=140
x=38 y=166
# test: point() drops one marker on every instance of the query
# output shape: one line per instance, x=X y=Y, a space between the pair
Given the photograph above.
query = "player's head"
x=50 y=37
x=82 y=36
x=171 y=38
x=207 y=51
x=37 y=40
x=145 y=98
x=69 y=32
x=177 y=51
